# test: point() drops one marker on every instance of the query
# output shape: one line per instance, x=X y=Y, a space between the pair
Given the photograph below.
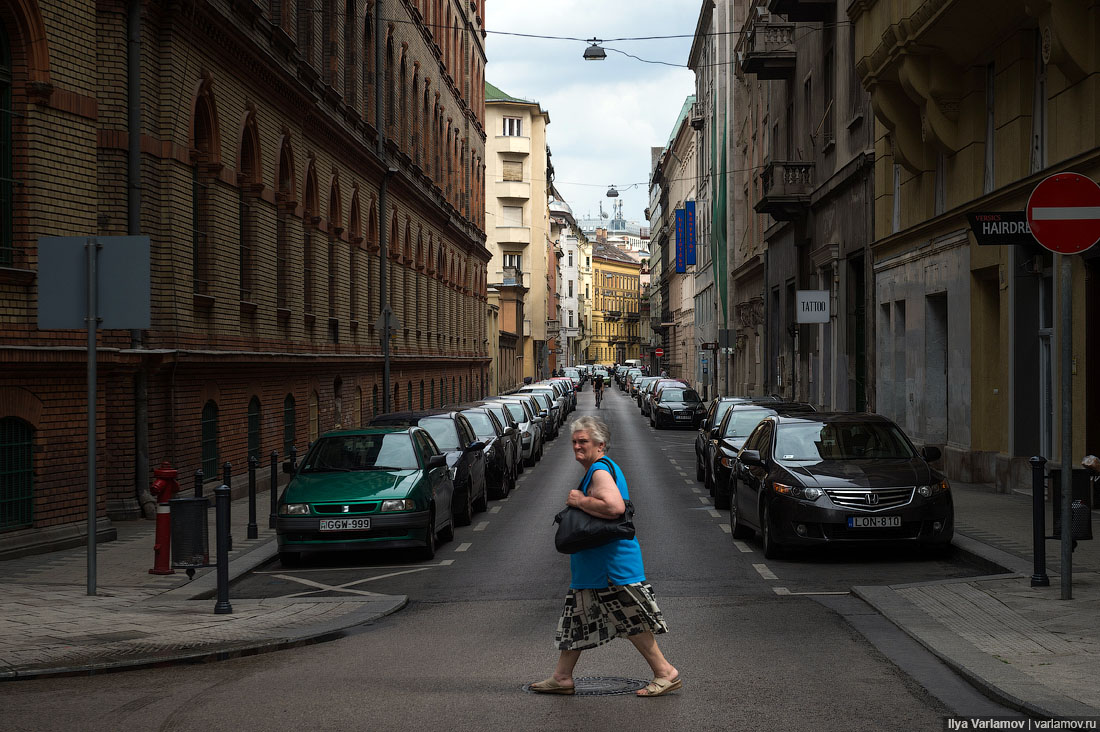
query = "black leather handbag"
x=578 y=530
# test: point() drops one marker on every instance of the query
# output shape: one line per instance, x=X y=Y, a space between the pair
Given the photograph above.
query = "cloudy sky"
x=604 y=115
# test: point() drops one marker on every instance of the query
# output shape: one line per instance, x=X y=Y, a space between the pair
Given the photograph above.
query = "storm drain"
x=602 y=685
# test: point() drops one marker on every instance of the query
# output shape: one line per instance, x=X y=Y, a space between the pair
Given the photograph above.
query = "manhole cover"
x=603 y=685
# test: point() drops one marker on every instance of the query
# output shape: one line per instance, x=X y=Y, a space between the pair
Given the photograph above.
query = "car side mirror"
x=713 y=431
x=931 y=453
x=437 y=461
x=751 y=457
x=475 y=445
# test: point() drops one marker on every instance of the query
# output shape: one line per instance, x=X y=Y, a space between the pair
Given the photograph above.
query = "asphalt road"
x=760 y=645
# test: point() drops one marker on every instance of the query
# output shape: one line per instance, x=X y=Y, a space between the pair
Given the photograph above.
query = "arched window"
x=210 y=440
x=329 y=66
x=289 y=422
x=285 y=203
x=202 y=184
x=414 y=106
x=368 y=66
x=248 y=187
x=355 y=238
x=422 y=393
x=403 y=117
x=7 y=189
x=374 y=402
x=350 y=63
x=309 y=223
x=409 y=395
x=314 y=417
x=359 y=406
x=305 y=30
x=391 y=111
x=254 y=437
x=16 y=473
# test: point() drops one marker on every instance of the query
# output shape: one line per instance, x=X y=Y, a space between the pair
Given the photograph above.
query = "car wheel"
x=700 y=471
x=482 y=502
x=511 y=483
x=739 y=530
x=772 y=550
x=530 y=461
x=709 y=484
x=290 y=559
x=428 y=550
x=466 y=511
x=721 y=496
x=520 y=464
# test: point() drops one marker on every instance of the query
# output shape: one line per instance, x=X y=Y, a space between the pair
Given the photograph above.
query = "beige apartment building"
x=517 y=164
x=975 y=103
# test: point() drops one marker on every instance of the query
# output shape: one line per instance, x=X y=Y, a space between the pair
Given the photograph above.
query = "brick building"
x=244 y=140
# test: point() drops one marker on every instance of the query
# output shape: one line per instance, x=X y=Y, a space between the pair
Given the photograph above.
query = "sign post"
x=93 y=283
x=1064 y=215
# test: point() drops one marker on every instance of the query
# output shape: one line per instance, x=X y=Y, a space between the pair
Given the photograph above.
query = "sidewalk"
x=49 y=625
x=1021 y=645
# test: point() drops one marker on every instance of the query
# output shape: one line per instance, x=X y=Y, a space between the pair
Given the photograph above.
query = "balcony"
x=787 y=188
x=513 y=235
x=512 y=189
x=804 y=11
x=513 y=144
x=553 y=327
x=767 y=50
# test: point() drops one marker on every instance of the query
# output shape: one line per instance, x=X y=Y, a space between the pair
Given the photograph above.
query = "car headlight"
x=811 y=493
x=403 y=504
x=927 y=491
x=727 y=462
x=294 y=509
x=664 y=408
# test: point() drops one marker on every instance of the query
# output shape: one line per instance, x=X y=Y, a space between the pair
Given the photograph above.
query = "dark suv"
x=456 y=437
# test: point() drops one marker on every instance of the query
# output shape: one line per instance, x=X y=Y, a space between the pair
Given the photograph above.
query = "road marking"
x=346 y=587
x=673 y=462
x=689 y=482
x=696 y=489
x=714 y=513
x=742 y=546
x=494 y=509
x=725 y=527
x=447 y=562
x=503 y=500
x=785 y=592
x=763 y=571
x=481 y=526
x=354 y=569
x=463 y=546
x=704 y=500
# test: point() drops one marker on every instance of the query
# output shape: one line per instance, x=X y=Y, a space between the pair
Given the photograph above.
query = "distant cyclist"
x=597 y=386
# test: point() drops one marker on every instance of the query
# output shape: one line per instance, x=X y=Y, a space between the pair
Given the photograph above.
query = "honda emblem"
x=872 y=499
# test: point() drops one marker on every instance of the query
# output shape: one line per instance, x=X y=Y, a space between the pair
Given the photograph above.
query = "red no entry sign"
x=660 y=352
x=1064 y=213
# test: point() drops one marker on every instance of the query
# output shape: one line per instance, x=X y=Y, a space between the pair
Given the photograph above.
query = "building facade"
x=616 y=315
x=518 y=218
x=281 y=158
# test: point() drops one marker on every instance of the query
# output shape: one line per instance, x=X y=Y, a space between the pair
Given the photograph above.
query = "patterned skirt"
x=593 y=617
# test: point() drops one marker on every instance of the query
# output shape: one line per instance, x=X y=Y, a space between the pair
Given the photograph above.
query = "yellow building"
x=615 y=312
x=976 y=102
x=518 y=215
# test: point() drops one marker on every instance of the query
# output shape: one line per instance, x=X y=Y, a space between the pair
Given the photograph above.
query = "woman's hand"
x=574 y=498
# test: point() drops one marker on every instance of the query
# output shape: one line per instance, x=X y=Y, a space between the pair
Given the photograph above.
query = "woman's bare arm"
x=603 y=499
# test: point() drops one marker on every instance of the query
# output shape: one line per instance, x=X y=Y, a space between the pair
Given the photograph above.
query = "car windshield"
x=720 y=411
x=443 y=431
x=517 y=411
x=679 y=395
x=345 y=453
x=841 y=441
x=743 y=421
x=483 y=426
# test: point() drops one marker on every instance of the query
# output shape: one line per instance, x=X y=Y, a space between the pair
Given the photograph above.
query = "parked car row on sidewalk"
x=407 y=479
x=801 y=478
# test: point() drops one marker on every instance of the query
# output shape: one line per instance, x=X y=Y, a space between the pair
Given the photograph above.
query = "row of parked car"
x=802 y=478
x=407 y=479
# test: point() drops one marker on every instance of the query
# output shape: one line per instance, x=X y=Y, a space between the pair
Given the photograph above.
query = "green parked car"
x=367 y=488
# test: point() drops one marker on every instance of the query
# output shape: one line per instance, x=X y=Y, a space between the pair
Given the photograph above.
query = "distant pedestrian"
x=608 y=594
x=664 y=374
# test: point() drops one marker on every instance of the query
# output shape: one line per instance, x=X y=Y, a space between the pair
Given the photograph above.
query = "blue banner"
x=689 y=207
x=681 y=241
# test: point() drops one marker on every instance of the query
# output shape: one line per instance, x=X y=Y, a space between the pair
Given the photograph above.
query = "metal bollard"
x=198 y=483
x=222 y=498
x=227 y=480
x=274 y=488
x=253 y=530
x=1038 y=522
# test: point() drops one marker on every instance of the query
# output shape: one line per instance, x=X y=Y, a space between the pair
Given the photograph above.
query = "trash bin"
x=190 y=535
x=1080 y=507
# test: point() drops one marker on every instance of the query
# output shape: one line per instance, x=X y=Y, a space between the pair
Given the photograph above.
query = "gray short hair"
x=596 y=428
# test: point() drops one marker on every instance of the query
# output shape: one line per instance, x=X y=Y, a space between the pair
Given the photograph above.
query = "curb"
x=993 y=678
x=320 y=633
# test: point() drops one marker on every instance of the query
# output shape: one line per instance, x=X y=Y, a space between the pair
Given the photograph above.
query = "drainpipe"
x=383 y=196
x=133 y=226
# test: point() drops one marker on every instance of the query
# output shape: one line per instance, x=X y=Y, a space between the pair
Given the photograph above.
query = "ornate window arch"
x=205 y=167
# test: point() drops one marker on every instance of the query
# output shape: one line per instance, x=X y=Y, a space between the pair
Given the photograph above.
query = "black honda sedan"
x=821 y=478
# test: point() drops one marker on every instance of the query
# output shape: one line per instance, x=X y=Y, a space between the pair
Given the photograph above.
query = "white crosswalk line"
x=763 y=571
x=742 y=546
x=714 y=513
x=725 y=527
x=481 y=526
x=463 y=546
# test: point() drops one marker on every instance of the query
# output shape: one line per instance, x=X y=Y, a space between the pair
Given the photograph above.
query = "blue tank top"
x=615 y=563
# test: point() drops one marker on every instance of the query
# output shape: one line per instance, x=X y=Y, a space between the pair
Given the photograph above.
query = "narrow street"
x=759 y=645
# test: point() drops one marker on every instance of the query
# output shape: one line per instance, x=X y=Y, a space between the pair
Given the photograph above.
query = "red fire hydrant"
x=165 y=487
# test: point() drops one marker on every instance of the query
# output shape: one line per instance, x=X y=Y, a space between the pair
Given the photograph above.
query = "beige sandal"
x=551 y=686
x=660 y=687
